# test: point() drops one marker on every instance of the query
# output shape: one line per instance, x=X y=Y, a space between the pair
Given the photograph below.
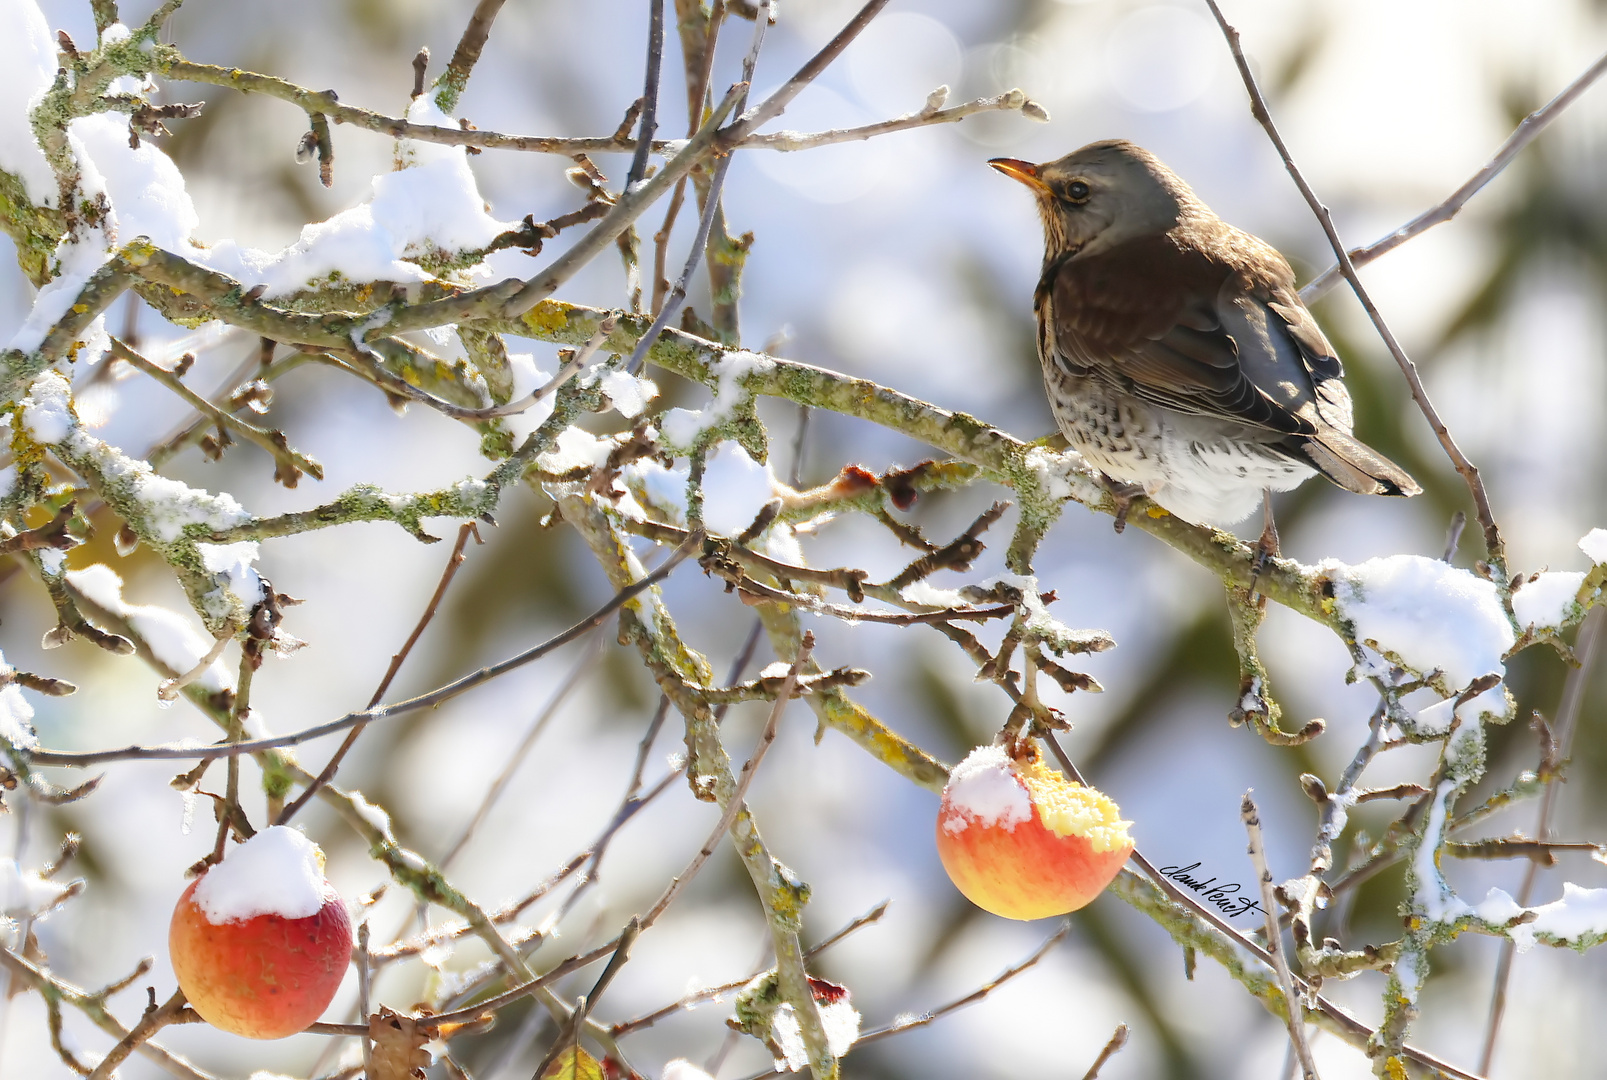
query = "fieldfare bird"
x=1177 y=354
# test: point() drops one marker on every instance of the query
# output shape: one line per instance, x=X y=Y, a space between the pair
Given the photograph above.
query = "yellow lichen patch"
x=1069 y=809
x=549 y=315
x=139 y=251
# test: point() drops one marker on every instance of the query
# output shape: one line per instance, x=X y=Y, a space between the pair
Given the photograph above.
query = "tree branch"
x=1494 y=548
x=1528 y=129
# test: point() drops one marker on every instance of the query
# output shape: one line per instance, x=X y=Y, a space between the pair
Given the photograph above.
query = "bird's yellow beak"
x=1024 y=171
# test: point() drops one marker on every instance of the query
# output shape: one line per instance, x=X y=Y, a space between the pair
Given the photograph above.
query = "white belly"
x=1206 y=471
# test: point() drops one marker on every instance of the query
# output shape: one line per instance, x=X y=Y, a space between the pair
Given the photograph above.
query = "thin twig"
x=874 y=915
x=1494 y=547
x=423 y=701
x=1525 y=133
x=1586 y=648
x=291 y=463
x=581 y=668
x=576 y=364
x=627 y=209
x=53 y=534
x=774 y=105
x=850 y=580
x=1117 y=1041
x=234 y=395
x=1294 y=1015
x=1357 y=1032
x=1331 y=822
x=329 y=105
x=365 y=987
x=627 y=938
x=153 y=1021
x=449 y=87
x=649 y=120
x=453 y=562
x=734 y=805
x=701 y=53
x=713 y=992
x=1541 y=852
x=661 y=245
x=169 y=689
x=764 y=592
x=800 y=448
x=1453 y=535
x=645 y=747
x=711 y=204
x=898 y=1028
x=789 y=141
x=677 y=295
x=231 y=817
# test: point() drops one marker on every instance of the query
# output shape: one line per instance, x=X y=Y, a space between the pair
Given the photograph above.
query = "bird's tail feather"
x=1355 y=466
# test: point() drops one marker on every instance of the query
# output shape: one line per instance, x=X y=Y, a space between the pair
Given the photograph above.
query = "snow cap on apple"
x=261 y=941
x=1022 y=841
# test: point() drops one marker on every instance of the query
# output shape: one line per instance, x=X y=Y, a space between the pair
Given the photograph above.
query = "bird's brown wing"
x=1187 y=330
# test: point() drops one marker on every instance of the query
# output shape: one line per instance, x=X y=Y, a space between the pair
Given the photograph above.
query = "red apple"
x=261 y=941
x=1022 y=841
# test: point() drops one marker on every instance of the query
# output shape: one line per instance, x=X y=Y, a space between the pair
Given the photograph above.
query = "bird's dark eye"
x=1077 y=191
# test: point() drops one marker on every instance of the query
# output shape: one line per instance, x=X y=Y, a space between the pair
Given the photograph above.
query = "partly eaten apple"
x=1022 y=841
x=261 y=941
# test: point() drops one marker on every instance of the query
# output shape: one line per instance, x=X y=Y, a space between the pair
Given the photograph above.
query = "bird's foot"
x=1122 y=495
x=1266 y=548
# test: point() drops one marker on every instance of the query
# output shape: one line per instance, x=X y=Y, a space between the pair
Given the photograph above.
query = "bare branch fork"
x=365 y=716
x=291 y=464
x=1525 y=133
x=915 y=1023
x=734 y=804
x=711 y=205
x=453 y=562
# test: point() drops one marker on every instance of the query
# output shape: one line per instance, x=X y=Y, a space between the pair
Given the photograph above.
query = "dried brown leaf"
x=399 y=1052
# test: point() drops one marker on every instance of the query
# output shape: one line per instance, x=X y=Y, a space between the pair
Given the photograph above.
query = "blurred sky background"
x=908 y=261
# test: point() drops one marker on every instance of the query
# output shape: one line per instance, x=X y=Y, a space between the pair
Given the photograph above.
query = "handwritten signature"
x=1223 y=896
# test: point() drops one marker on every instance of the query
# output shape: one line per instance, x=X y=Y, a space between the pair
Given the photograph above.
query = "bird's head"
x=1102 y=195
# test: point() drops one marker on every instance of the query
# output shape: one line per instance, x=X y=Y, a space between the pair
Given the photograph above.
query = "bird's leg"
x=1266 y=547
x=1122 y=495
